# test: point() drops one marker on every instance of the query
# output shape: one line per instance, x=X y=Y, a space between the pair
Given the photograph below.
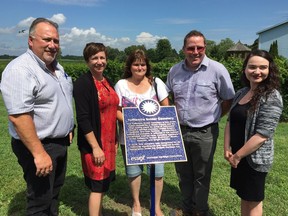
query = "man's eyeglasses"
x=195 y=48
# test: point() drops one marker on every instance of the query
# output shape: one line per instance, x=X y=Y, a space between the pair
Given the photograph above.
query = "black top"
x=87 y=110
x=238 y=118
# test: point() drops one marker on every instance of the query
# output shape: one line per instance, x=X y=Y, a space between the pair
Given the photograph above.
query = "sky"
x=122 y=23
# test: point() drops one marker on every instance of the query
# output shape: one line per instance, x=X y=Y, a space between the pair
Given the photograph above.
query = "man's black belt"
x=195 y=129
x=64 y=140
x=61 y=141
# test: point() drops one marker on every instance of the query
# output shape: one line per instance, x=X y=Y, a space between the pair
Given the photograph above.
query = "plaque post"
x=152 y=190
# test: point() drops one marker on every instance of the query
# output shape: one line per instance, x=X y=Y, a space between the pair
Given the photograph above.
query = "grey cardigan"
x=264 y=121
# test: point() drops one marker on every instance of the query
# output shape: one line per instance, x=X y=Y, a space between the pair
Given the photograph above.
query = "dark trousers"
x=195 y=174
x=42 y=192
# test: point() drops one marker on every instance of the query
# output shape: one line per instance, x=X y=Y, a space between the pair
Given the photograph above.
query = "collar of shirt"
x=40 y=62
x=204 y=62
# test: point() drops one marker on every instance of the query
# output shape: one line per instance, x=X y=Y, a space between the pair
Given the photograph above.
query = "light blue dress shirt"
x=29 y=87
x=198 y=94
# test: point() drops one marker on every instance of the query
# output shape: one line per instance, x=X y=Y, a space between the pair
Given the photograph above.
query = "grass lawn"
x=74 y=195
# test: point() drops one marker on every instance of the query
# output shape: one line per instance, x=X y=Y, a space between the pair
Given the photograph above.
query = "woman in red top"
x=96 y=107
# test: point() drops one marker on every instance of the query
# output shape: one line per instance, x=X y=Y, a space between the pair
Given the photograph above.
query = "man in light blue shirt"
x=38 y=97
x=202 y=91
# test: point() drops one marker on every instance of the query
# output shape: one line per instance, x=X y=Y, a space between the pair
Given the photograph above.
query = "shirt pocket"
x=67 y=86
x=204 y=90
x=180 y=89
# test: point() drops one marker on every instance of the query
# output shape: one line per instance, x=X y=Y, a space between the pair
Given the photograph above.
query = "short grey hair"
x=40 y=20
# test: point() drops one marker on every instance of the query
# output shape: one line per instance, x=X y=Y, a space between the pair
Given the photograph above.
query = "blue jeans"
x=195 y=174
x=42 y=192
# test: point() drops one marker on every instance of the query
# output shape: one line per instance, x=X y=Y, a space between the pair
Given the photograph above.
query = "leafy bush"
x=234 y=66
x=74 y=68
x=161 y=69
x=282 y=64
x=115 y=69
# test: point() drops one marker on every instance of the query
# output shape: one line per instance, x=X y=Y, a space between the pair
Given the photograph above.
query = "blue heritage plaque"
x=152 y=134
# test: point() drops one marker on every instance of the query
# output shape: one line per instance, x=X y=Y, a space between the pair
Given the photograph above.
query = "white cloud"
x=148 y=39
x=9 y=36
x=7 y=30
x=79 y=34
x=58 y=18
x=23 y=26
x=73 y=42
x=26 y=22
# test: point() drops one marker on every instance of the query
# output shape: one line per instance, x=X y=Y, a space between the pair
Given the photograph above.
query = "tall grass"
x=74 y=195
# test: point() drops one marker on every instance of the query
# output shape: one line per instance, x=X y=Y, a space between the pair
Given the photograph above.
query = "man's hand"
x=25 y=128
x=43 y=164
x=71 y=135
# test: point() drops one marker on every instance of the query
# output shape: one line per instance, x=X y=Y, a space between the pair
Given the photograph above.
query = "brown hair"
x=138 y=54
x=269 y=84
x=193 y=33
x=93 y=48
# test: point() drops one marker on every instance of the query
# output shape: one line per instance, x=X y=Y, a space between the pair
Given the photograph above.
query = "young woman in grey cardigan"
x=248 y=138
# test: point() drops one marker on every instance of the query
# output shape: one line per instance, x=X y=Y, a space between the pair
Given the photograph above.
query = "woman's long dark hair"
x=134 y=56
x=269 y=84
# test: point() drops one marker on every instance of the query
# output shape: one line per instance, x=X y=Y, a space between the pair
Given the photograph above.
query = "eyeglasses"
x=261 y=67
x=194 y=48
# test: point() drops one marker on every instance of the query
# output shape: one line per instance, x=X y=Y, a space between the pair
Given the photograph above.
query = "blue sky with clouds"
x=121 y=23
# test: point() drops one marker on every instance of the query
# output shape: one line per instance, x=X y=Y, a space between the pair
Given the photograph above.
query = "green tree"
x=112 y=53
x=174 y=56
x=222 y=47
x=274 y=49
x=282 y=64
x=121 y=57
x=211 y=49
x=116 y=54
x=151 y=54
x=163 y=50
x=254 y=45
x=132 y=48
x=234 y=67
x=181 y=54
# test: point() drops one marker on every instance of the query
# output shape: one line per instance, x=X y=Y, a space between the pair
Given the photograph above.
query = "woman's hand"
x=234 y=160
x=98 y=156
x=116 y=147
x=227 y=154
